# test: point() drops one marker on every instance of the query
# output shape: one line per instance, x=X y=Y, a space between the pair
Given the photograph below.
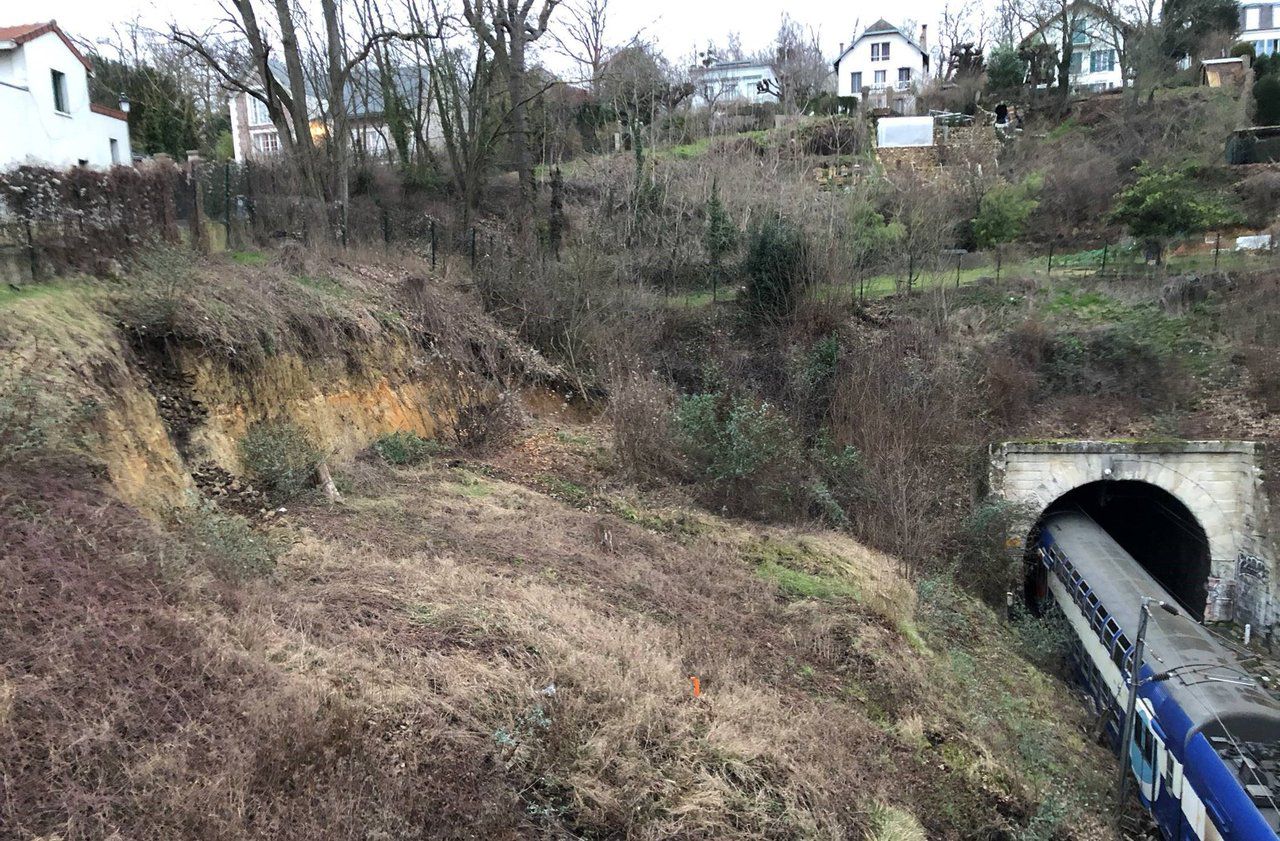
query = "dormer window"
x=59 y=80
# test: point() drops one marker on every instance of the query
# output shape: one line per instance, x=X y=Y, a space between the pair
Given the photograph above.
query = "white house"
x=723 y=82
x=1095 y=65
x=45 y=111
x=883 y=68
x=1260 y=26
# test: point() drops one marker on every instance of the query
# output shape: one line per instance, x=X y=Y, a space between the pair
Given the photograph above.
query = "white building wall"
x=1260 y=26
x=722 y=85
x=34 y=131
x=1097 y=37
x=902 y=54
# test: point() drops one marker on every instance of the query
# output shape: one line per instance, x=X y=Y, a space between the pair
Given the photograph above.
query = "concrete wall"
x=34 y=130
x=1220 y=482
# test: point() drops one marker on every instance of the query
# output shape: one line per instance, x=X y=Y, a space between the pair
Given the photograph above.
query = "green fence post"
x=226 y=200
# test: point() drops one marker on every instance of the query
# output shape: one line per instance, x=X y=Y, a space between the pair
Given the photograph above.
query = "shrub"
x=776 y=269
x=1260 y=197
x=745 y=452
x=1044 y=640
x=1006 y=69
x=985 y=566
x=835 y=135
x=643 y=435
x=1004 y=210
x=280 y=458
x=405 y=448
x=841 y=481
x=1243 y=48
x=1079 y=180
x=1266 y=98
x=230 y=545
x=1164 y=203
x=720 y=238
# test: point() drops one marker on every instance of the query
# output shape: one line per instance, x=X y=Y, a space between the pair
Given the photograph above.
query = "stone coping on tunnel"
x=1124 y=447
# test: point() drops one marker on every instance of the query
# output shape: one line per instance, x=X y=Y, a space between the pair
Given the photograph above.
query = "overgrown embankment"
x=493 y=635
x=161 y=375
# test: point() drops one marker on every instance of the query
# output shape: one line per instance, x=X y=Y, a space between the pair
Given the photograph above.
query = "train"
x=1205 y=751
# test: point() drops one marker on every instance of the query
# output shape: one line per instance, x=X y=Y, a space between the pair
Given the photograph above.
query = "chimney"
x=841 y=52
x=924 y=37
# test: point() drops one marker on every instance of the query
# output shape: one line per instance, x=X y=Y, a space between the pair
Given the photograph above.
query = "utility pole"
x=1135 y=664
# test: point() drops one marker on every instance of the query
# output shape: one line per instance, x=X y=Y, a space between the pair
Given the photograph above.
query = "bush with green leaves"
x=280 y=459
x=1167 y=202
x=840 y=481
x=229 y=544
x=750 y=460
x=745 y=453
x=985 y=565
x=776 y=269
x=1006 y=69
x=1004 y=210
x=405 y=448
x=720 y=238
x=1266 y=100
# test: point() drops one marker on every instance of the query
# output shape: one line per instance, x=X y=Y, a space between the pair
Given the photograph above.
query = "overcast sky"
x=679 y=26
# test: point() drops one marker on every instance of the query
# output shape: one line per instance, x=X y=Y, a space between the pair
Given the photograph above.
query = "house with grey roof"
x=255 y=137
x=884 y=68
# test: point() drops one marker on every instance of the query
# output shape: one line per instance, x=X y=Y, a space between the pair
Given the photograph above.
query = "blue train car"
x=1205 y=753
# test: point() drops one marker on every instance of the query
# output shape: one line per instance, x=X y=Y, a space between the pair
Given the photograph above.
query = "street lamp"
x=124 y=102
x=1135 y=663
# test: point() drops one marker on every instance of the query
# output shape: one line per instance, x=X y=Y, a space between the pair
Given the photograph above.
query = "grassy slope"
x=500 y=647
x=452 y=653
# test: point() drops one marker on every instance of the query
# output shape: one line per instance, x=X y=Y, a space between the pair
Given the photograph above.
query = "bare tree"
x=581 y=38
x=1134 y=31
x=962 y=38
x=799 y=70
x=1053 y=24
x=464 y=89
x=287 y=101
x=507 y=28
x=924 y=209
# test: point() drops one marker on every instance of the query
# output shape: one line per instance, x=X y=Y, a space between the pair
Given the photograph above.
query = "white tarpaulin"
x=1257 y=242
x=894 y=132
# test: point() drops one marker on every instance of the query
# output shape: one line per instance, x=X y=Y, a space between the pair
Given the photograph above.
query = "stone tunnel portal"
x=1153 y=526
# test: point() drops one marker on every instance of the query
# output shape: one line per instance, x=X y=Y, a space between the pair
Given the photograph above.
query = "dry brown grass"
x=452 y=655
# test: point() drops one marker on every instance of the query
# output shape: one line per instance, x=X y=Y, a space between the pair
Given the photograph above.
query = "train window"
x=1120 y=653
x=1095 y=613
x=1110 y=629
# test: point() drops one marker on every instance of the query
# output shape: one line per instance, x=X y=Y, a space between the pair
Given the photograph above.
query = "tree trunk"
x=300 y=112
x=520 y=123
x=340 y=137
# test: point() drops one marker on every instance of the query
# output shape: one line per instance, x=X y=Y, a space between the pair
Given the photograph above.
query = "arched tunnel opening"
x=1153 y=526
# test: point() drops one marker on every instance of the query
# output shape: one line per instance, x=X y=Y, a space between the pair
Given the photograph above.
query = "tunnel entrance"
x=1154 y=527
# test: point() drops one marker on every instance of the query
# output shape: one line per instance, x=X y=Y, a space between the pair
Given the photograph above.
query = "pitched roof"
x=880 y=27
x=22 y=33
